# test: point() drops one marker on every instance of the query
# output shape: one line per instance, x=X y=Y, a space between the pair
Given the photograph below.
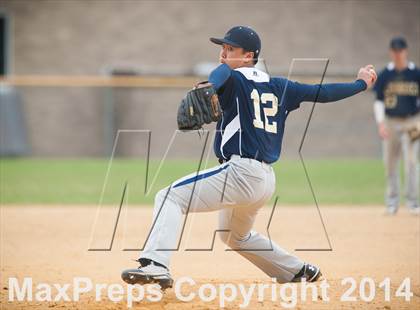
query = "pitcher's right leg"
x=257 y=248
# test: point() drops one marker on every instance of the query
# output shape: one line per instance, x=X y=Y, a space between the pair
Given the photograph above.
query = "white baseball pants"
x=237 y=189
x=397 y=143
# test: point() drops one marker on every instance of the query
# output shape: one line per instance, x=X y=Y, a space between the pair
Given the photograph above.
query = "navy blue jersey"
x=399 y=90
x=255 y=108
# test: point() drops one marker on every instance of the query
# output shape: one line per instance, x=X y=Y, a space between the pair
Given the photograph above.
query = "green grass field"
x=80 y=181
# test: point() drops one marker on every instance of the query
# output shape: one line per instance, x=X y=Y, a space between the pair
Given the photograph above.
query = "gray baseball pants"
x=237 y=189
x=399 y=143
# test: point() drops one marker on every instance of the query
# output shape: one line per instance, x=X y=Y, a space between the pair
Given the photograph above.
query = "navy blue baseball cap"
x=241 y=36
x=398 y=43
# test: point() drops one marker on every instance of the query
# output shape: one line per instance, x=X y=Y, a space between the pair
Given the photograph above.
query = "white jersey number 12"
x=268 y=111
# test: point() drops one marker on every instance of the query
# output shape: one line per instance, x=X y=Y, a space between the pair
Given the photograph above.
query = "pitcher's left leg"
x=194 y=193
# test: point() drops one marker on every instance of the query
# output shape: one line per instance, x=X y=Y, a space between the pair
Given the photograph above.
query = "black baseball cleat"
x=148 y=274
x=309 y=272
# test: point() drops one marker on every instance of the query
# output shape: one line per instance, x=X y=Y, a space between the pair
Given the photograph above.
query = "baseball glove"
x=414 y=133
x=200 y=106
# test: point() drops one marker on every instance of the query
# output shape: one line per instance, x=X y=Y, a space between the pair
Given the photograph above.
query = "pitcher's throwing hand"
x=368 y=75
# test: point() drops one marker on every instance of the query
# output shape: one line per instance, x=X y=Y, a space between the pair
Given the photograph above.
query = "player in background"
x=248 y=140
x=397 y=114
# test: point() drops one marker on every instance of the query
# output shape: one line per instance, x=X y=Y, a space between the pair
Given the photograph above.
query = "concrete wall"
x=84 y=37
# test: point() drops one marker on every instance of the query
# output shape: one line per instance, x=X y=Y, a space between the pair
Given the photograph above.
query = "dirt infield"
x=50 y=245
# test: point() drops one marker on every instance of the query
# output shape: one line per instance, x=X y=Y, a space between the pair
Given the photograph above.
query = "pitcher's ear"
x=249 y=56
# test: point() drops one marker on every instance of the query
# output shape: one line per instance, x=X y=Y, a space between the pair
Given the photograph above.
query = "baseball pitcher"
x=397 y=113
x=250 y=108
